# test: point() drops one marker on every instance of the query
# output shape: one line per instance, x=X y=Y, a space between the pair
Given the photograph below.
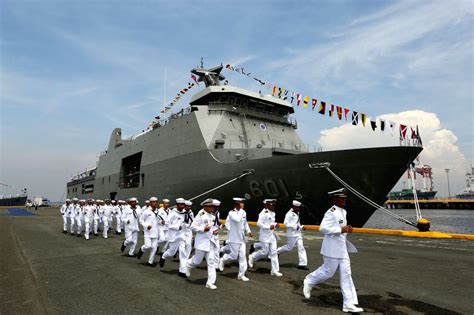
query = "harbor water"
x=450 y=221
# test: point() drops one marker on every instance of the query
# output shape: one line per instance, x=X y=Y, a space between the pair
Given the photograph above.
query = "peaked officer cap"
x=180 y=200
x=338 y=193
x=207 y=202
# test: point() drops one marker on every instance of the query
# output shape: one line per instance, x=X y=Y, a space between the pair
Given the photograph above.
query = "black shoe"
x=252 y=249
x=64 y=232
x=303 y=267
x=151 y=265
x=162 y=262
x=225 y=243
x=122 y=248
x=72 y=234
x=221 y=254
x=182 y=275
x=95 y=234
x=78 y=235
x=132 y=255
x=140 y=253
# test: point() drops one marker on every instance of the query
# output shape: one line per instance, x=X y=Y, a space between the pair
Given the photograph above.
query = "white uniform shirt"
x=117 y=211
x=79 y=213
x=335 y=243
x=266 y=218
x=96 y=212
x=176 y=225
x=147 y=218
x=203 y=239
x=190 y=218
x=292 y=223
x=71 y=210
x=89 y=211
x=64 y=209
x=108 y=211
x=130 y=217
x=163 y=213
x=237 y=225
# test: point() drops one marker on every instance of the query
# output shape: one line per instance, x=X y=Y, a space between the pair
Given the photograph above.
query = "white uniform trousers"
x=327 y=270
x=64 y=223
x=237 y=252
x=216 y=254
x=96 y=225
x=106 y=227
x=118 y=227
x=131 y=238
x=196 y=260
x=188 y=246
x=163 y=241
x=87 y=227
x=72 y=223
x=173 y=247
x=150 y=245
x=79 y=225
x=298 y=241
x=268 y=250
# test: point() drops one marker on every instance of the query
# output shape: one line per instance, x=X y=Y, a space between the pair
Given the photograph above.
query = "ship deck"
x=45 y=271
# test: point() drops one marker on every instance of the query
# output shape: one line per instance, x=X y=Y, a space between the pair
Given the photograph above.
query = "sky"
x=72 y=71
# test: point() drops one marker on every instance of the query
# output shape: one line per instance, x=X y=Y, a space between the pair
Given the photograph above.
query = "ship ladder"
x=420 y=227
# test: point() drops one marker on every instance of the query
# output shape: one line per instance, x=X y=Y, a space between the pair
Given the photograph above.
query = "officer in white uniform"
x=293 y=234
x=236 y=224
x=80 y=216
x=96 y=216
x=335 y=249
x=107 y=217
x=130 y=217
x=204 y=243
x=118 y=216
x=64 y=214
x=189 y=218
x=176 y=236
x=72 y=214
x=217 y=226
x=149 y=222
x=88 y=218
x=163 y=215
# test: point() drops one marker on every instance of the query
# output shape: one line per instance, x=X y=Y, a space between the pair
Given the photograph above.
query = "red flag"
x=195 y=79
x=346 y=111
x=403 y=131
x=413 y=133
x=298 y=99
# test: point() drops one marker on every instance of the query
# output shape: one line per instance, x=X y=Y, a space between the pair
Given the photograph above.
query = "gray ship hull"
x=372 y=171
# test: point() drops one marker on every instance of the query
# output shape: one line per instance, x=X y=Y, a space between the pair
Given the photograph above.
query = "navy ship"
x=234 y=142
x=18 y=199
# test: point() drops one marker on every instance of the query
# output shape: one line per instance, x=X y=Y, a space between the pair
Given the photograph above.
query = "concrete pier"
x=45 y=271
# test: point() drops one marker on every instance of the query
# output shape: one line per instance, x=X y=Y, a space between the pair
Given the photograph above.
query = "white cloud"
x=440 y=147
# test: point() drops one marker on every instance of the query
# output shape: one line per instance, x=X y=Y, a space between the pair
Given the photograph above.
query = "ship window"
x=143 y=179
x=224 y=99
x=130 y=171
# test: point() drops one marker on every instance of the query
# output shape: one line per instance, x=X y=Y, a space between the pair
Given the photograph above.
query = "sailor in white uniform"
x=177 y=226
x=107 y=217
x=96 y=216
x=72 y=214
x=268 y=239
x=189 y=218
x=163 y=233
x=80 y=216
x=236 y=224
x=335 y=250
x=64 y=214
x=88 y=218
x=118 y=216
x=204 y=243
x=149 y=222
x=130 y=216
x=293 y=234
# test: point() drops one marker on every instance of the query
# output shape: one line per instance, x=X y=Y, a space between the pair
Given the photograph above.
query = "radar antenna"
x=211 y=76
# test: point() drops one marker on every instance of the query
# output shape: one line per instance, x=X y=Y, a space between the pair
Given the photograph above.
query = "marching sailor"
x=268 y=239
x=217 y=225
x=163 y=215
x=80 y=216
x=204 y=243
x=130 y=217
x=293 y=234
x=64 y=214
x=107 y=217
x=177 y=226
x=238 y=227
x=88 y=218
x=72 y=214
x=335 y=250
x=149 y=222
x=189 y=218
x=96 y=216
x=118 y=215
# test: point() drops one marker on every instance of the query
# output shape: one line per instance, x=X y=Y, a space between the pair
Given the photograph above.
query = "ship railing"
x=272 y=144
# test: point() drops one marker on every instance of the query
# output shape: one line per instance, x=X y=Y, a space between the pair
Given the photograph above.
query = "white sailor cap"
x=147 y=201
x=341 y=193
x=82 y=200
x=75 y=199
x=132 y=199
x=207 y=202
x=166 y=200
x=180 y=200
x=114 y=201
x=271 y=201
x=98 y=201
x=238 y=199
x=68 y=200
x=153 y=199
x=121 y=201
x=188 y=203
x=216 y=203
x=296 y=203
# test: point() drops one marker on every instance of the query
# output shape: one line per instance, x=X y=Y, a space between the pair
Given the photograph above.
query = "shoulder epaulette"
x=333 y=209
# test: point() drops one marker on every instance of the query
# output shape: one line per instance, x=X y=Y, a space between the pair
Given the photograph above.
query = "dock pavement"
x=44 y=271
